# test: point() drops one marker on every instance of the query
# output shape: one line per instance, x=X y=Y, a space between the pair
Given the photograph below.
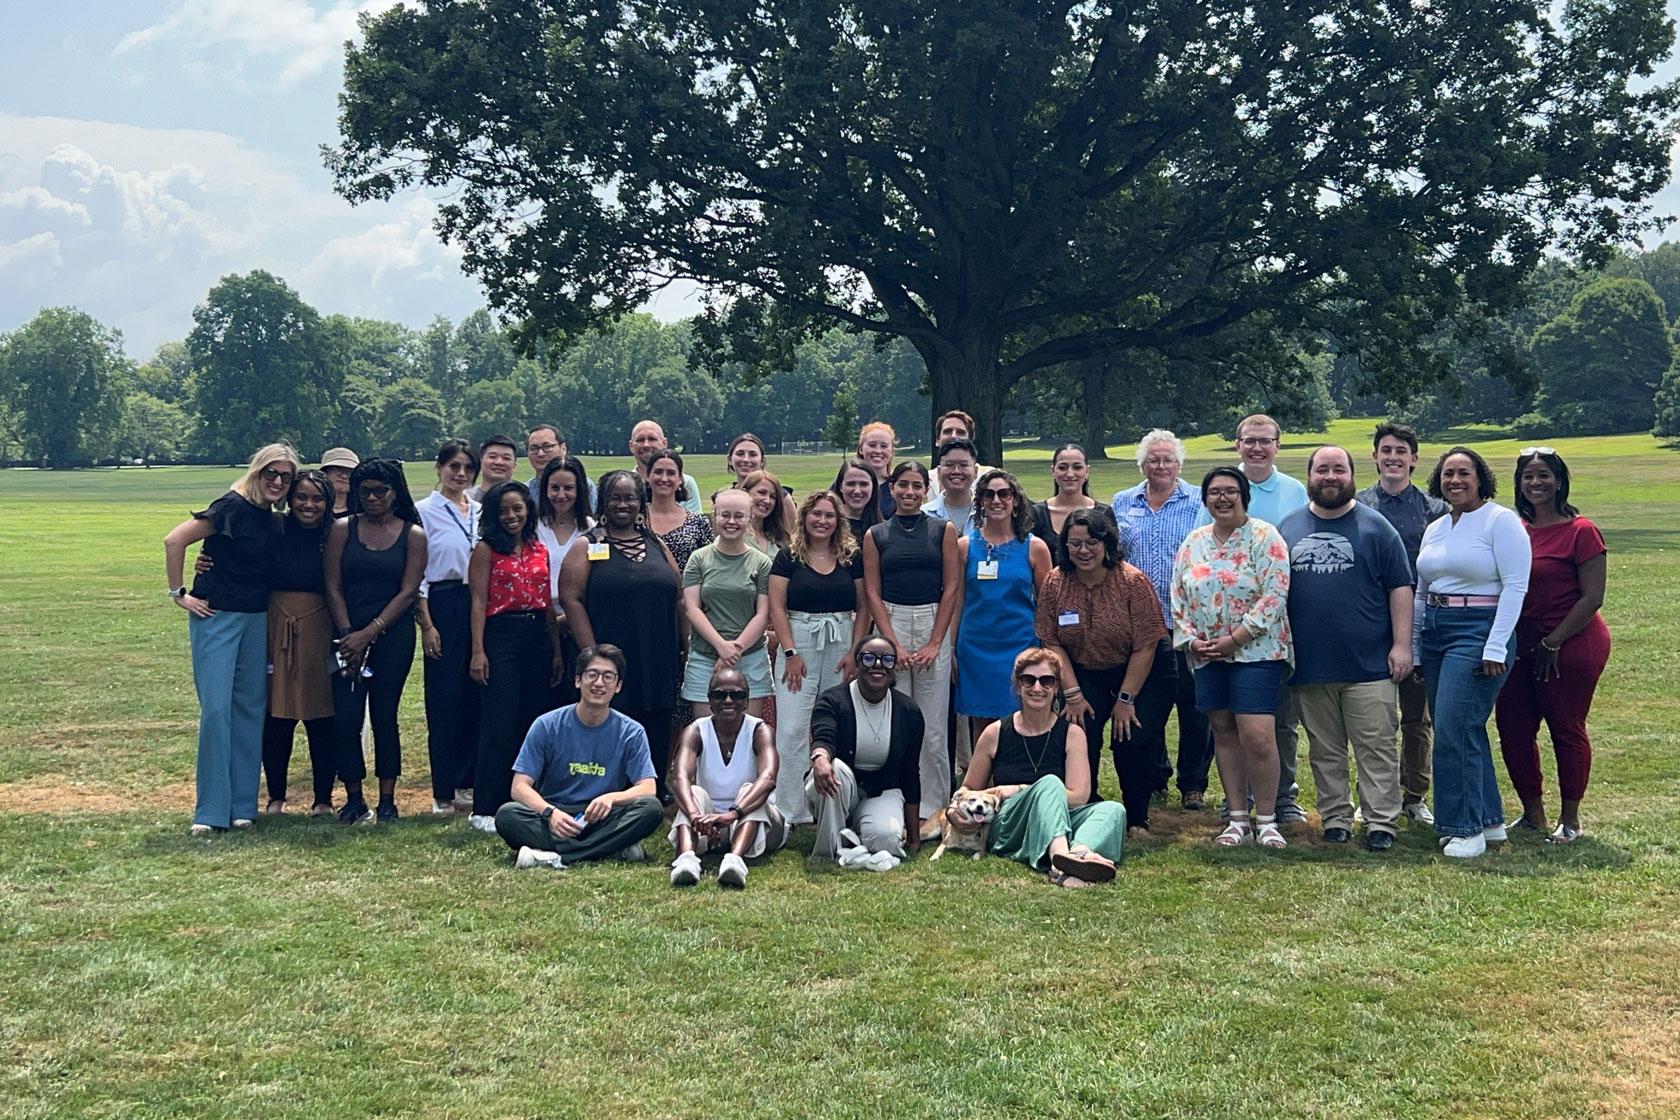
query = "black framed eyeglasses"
x=1042 y=680
x=739 y=695
x=878 y=660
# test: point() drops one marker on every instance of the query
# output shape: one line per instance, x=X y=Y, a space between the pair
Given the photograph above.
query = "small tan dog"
x=966 y=822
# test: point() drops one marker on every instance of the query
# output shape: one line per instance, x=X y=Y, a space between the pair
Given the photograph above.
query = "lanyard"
x=449 y=507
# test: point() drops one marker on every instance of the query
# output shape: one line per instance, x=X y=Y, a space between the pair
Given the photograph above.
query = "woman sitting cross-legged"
x=1036 y=763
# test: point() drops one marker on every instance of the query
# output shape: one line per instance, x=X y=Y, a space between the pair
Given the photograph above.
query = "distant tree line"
x=1588 y=352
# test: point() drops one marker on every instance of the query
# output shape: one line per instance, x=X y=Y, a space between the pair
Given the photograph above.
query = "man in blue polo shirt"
x=583 y=784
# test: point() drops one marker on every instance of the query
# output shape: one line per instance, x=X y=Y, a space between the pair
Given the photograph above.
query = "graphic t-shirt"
x=571 y=763
x=1341 y=570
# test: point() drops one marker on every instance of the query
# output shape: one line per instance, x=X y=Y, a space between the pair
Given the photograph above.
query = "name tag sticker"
x=1068 y=618
x=987 y=570
x=598 y=550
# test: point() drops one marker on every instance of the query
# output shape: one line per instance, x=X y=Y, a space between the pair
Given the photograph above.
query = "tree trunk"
x=964 y=374
x=1094 y=373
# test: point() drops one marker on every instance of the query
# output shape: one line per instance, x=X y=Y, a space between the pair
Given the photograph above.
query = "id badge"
x=1068 y=618
x=987 y=570
x=598 y=550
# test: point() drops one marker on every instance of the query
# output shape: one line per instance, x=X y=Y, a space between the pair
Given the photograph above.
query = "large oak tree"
x=1014 y=184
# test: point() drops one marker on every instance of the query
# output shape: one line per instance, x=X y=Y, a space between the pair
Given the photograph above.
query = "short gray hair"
x=1159 y=435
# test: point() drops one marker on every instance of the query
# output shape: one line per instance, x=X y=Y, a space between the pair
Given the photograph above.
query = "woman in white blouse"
x=1472 y=576
x=562 y=513
x=450 y=518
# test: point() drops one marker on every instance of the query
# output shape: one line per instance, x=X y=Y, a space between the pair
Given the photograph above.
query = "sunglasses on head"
x=1537 y=451
x=739 y=695
x=1042 y=680
x=878 y=660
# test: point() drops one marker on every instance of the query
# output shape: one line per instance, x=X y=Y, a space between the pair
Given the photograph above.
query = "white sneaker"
x=1419 y=812
x=685 y=870
x=536 y=857
x=634 y=853
x=242 y=823
x=463 y=800
x=732 y=872
x=201 y=832
x=442 y=808
x=482 y=823
x=1465 y=847
x=1494 y=834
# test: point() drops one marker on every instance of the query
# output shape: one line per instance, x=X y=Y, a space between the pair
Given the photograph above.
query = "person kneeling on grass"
x=1036 y=763
x=583 y=783
x=722 y=780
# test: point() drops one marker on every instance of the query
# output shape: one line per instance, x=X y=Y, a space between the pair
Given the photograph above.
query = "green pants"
x=626 y=824
x=1030 y=820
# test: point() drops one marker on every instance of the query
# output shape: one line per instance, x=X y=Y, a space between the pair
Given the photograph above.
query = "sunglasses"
x=1537 y=451
x=997 y=495
x=878 y=660
x=1042 y=680
x=739 y=695
x=373 y=491
x=272 y=474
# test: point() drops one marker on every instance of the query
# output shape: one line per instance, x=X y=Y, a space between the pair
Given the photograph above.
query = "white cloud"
x=304 y=40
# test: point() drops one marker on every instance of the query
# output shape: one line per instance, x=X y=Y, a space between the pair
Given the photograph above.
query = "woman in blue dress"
x=1003 y=566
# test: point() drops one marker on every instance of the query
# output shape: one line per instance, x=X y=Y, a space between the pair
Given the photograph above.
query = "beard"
x=1330 y=494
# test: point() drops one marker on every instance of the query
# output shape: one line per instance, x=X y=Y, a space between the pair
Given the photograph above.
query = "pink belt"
x=1435 y=600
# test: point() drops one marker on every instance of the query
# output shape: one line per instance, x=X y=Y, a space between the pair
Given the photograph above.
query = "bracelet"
x=1547 y=648
x=1074 y=691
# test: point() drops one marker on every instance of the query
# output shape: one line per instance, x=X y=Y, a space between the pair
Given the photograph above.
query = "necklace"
x=868 y=710
x=1043 y=746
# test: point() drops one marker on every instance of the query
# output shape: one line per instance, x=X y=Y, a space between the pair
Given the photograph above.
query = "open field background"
x=306 y=970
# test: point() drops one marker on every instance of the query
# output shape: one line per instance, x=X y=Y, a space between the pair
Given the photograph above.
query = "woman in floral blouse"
x=1230 y=591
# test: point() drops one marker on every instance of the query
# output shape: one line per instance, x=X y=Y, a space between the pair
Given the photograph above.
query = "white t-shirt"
x=556 y=553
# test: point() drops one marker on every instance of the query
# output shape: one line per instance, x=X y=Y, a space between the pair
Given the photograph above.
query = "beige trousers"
x=1365 y=715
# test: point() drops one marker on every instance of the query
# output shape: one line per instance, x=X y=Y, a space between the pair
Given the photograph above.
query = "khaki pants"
x=1366 y=716
x=931 y=690
x=1415 y=732
x=772 y=829
x=878 y=821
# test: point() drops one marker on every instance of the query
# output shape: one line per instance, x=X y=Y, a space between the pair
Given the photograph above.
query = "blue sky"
x=148 y=148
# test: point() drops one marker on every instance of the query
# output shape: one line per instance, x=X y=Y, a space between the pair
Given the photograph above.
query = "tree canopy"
x=63 y=373
x=1010 y=186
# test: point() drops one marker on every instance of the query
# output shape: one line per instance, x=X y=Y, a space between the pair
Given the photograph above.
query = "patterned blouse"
x=1243 y=582
x=1100 y=627
x=695 y=532
x=518 y=581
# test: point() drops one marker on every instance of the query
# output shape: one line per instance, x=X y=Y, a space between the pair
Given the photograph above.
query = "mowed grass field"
x=303 y=969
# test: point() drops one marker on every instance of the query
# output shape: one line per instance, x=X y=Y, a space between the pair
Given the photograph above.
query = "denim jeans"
x=230 y=674
x=1461 y=700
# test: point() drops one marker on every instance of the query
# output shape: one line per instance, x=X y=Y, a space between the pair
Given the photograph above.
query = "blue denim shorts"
x=1244 y=687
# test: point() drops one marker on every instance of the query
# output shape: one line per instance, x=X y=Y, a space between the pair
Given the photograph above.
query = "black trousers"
x=1134 y=757
x=376 y=698
x=657 y=723
x=277 y=755
x=1169 y=686
x=521 y=661
x=452 y=699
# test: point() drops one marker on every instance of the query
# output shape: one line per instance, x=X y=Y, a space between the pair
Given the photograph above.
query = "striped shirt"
x=1150 y=538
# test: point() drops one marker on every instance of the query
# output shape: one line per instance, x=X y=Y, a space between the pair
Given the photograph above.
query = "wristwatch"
x=178 y=593
x=1124 y=697
x=789 y=651
x=548 y=812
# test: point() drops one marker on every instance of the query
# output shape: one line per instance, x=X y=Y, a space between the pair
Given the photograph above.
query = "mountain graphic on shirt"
x=1326 y=553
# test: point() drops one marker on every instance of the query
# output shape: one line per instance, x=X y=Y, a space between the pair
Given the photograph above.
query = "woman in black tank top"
x=1035 y=762
x=374 y=561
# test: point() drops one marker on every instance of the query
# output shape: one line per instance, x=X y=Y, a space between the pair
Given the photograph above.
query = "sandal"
x=1236 y=832
x=1268 y=834
x=1564 y=834
x=1081 y=862
x=1063 y=879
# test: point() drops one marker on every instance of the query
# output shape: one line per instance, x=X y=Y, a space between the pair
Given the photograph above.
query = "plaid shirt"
x=1150 y=538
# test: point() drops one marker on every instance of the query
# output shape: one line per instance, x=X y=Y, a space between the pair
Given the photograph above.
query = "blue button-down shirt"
x=1151 y=537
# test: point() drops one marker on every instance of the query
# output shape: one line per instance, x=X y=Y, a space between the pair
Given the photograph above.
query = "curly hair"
x=1020 y=518
x=1486 y=487
x=844 y=544
x=490 y=529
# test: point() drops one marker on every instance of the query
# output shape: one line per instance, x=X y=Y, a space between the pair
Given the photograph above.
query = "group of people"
x=600 y=657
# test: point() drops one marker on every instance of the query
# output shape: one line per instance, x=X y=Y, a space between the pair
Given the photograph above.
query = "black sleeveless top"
x=912 y=552
x=371 y=578
x=1014 y=762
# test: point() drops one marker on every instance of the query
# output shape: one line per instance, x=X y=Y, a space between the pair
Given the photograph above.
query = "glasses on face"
x=1041 y=680
x=1256 y=441
x=739 y=695
x=275 y=474
x=878 y=660
x=1085 y=545
x=1159 y=463
x=1003 y=495
x=1223 y=492
x=1537 y=451
x=374 y=491
x=731 y=515
x=605 y=676
x=542 y=448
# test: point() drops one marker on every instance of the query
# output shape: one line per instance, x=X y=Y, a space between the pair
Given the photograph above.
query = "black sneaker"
x=355 y=812
x=387 y=812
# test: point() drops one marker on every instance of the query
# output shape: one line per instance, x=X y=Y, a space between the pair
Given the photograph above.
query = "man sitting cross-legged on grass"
x=722 y=779
x=583 y=782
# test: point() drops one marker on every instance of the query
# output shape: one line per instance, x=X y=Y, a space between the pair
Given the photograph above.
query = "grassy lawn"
x=306 y=970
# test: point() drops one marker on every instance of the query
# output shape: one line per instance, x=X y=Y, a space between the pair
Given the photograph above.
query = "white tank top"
x=723 y=780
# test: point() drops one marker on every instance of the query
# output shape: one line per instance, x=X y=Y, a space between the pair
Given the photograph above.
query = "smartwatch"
x=178 y=593
x=1125 y=697
x=547 y=813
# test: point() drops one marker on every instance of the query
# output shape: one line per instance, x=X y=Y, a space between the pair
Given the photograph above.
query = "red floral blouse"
x=518 y=582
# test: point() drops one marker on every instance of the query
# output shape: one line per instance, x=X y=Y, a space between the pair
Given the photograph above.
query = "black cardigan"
x=834 y=726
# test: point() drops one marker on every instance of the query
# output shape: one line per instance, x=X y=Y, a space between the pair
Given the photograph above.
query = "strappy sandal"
x=1082 y=863
x=1268 y=833
x=1236 y=832
x=1563 y=834
x=1063 y=879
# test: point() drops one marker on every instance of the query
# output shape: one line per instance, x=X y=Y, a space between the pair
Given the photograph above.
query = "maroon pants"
x=1563 y=703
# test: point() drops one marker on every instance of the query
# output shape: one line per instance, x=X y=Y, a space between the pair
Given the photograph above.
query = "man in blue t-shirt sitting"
x=1350 y=608
x=583 y=783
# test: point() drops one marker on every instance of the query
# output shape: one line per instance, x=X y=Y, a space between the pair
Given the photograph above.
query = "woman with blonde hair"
x=818 y=613
x=227 y=626
x=876 y=442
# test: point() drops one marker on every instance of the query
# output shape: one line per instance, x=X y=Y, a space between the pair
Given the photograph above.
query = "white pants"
x=772 y=830
x=878 y=821
x=822 y=640
x=931 y=690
